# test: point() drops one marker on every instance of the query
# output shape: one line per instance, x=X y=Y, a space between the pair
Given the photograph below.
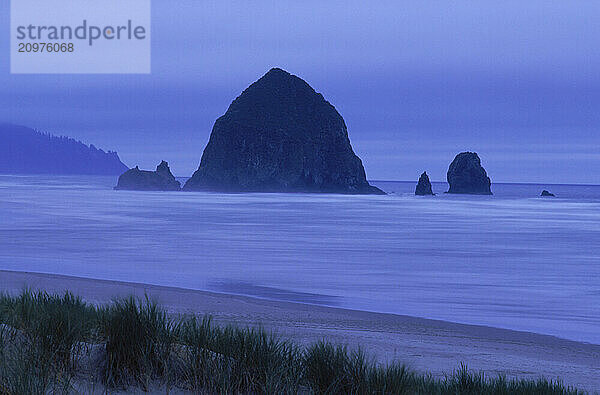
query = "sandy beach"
x=425 y=345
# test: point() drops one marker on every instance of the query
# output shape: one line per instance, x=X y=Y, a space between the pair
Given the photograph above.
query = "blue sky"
x=416 y=82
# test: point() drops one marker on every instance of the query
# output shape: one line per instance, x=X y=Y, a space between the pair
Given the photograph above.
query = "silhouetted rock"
x=545 y=193
x=280 y=135
x=143 y=180
x=466 y=175
x=26 y=151
x=424 y=186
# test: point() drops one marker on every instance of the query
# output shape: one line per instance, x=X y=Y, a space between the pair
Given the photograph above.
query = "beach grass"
x=237 y=360
x=53 y=344
x=56 y=326
x=138 y=338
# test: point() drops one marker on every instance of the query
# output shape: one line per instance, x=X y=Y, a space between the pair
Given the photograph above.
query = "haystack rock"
x=143 y=180
x=280 y=135
x=466 y=175
x=545 y=193
x=424 y=186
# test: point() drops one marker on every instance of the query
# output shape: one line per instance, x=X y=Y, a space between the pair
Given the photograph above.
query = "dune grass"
x=39 y=338
x=332 y=369
x=45 y=340
x=237 y=360
x=138 y=338
x=54 y=325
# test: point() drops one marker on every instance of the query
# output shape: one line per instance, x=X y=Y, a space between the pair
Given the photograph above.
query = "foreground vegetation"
x=60 y=344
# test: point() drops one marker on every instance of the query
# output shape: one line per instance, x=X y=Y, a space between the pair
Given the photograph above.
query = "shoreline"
x=423 y=344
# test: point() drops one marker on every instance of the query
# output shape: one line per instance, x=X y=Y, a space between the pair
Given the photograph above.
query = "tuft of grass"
x=392 y=379
x=325 y=368
x=258 y=361
x=332 y=369
x=138 y=337
x=234 y=360
x=198 y=362
x=464 y=382
x=24 y=370
x=55 y=325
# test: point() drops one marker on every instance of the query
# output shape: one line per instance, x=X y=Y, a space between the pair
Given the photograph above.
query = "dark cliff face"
x=280 y=135
x=26 y=151
x=424 y=186
x=143 y=180
x=466 y=175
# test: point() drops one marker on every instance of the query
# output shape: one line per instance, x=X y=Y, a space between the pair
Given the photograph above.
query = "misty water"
x=512 y=260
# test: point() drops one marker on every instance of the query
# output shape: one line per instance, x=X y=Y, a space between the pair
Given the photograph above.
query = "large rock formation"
x=466 y=175
x=143 y=180
x=27 y=151
x=280 y=135
x=424 y=186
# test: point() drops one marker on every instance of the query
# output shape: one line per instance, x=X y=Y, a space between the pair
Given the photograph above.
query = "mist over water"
x=511 y=260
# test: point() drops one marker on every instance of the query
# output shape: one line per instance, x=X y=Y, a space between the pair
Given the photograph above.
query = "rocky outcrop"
x=545 y=193
x=466 y=175
x=143 y=180
x=27 y=151
x=280 y=135
x=424 y=186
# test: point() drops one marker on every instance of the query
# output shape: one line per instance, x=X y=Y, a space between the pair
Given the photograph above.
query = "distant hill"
x=26 y=151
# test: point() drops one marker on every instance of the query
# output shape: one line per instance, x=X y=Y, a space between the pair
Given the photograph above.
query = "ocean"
x=512 y=260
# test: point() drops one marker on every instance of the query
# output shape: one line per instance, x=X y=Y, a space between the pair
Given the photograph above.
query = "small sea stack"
x=280 y=135
x=424 y=186
x=467 y=176
x=143 y=180
x=545 y=193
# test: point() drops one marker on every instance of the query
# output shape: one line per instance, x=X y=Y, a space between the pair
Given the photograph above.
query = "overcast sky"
x=416 y=82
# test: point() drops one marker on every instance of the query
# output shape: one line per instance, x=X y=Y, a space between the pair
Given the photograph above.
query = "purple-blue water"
x=512 y=260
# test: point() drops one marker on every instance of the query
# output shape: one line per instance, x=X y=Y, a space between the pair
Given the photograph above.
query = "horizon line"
x=503 y=182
